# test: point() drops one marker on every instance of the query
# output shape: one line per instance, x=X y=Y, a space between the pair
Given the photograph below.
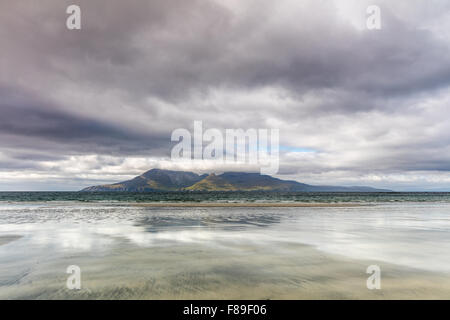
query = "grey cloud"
x=26 y=117
x=170 y=48
x=139 y=69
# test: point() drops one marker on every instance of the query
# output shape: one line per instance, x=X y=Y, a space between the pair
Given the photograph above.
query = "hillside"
x=153 y=180
x=166 y=180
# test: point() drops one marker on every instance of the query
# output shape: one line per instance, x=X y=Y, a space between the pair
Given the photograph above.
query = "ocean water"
x=186 y=252
x=310 y=197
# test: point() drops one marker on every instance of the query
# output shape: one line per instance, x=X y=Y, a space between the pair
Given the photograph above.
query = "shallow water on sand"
x=126 y=251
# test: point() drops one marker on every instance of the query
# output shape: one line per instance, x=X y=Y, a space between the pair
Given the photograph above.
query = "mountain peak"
x=169 y=180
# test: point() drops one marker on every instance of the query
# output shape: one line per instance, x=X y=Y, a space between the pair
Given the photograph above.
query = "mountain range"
x=166 y=180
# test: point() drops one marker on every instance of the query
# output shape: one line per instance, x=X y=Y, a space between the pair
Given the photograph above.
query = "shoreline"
x=244 y=204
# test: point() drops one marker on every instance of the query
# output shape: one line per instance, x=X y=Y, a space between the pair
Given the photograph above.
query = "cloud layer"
x=354 y=106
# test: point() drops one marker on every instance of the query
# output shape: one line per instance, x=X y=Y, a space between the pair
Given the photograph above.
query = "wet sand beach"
x=9 y=238
x=241 y=272
x=126 y=251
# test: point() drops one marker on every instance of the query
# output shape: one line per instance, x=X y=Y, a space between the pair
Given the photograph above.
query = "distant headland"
x=167 y=180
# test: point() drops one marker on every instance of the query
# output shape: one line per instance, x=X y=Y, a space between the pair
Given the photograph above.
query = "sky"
x=98 y=105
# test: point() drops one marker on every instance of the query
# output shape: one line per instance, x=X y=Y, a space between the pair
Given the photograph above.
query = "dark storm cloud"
x=26 y=118
x=169 y=48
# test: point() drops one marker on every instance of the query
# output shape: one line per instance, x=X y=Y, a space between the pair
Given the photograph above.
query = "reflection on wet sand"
x=245 y=272
x=221 y=220
x=8 y=238
x=128 y=252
